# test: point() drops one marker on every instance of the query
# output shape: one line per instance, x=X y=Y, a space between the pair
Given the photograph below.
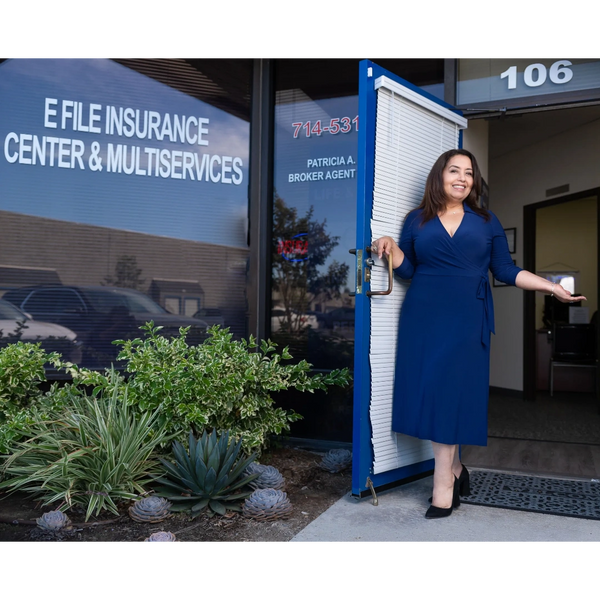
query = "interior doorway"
x=534 y=160
x=537 y=432
x=560 y=240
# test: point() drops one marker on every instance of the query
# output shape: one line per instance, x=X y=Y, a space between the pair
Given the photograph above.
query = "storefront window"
x=314 y=218
x=314 y=221
x=314 y=204
x=124 y=197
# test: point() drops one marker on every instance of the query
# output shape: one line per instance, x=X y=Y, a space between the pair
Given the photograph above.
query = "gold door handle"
x=390 y=277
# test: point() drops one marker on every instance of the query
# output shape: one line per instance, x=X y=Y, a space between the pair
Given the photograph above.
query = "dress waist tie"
x=484 y=292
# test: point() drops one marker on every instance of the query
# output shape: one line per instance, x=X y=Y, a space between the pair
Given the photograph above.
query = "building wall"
x=86 y=255
x=476 y=141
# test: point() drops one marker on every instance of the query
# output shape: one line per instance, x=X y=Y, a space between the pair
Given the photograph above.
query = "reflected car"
x=299 y=320
x=101 y=314
x=17 y=326
x=317 y=316
x=212 y=316
x=339 y=317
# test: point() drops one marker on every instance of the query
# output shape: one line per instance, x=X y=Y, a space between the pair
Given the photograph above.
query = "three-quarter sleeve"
x=501 y=263
x=407 y=267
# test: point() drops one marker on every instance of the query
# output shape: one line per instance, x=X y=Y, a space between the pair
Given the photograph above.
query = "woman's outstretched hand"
x=528 y=281
x=565 y=296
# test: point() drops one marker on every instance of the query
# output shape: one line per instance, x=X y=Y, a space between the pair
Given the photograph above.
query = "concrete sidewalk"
x=399 y=517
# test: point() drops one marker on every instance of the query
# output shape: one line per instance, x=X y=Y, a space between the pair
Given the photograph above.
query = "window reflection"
x=316 y=124
x=122 y=182
x=314 y=215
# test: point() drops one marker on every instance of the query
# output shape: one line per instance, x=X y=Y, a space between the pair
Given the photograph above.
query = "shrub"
x=90 y=451
x=21 y=373
x=229 y=383
x=222 y=384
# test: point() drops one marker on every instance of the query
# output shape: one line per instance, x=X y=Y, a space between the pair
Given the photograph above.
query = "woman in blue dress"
x=446 y=248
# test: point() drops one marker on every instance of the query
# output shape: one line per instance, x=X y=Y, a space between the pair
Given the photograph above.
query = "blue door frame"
x=364 y=481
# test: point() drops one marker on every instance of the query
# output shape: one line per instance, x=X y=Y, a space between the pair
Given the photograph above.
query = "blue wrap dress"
x=441 y=386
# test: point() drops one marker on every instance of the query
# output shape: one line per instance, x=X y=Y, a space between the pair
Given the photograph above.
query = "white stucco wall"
x=517 y=179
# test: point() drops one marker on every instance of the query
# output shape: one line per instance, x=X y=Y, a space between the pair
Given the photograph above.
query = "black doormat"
x=545 y=495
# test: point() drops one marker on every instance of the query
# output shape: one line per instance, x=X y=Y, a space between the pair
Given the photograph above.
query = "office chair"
x=573 y=346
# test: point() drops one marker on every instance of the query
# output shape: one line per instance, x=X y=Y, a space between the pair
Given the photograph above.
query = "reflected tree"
x=127 y=274
x=297 y=268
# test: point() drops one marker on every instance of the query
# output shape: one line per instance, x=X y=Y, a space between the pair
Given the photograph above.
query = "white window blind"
x=411 y=132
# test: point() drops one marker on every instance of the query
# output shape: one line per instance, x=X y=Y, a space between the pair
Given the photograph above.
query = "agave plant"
x=210 y=476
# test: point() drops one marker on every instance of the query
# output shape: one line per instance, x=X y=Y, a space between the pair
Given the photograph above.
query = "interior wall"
x=519 y=178
x=567 y=233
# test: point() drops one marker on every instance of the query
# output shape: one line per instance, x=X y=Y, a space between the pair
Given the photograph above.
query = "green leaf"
x=181 y=507
x=221 y=483
x=192 y=445
x=200 y=505
x=209 y=481
x=184 y=463
x=240 y=495
x=217 y=507
x=200 y=470
x=238 y=483
x=214 y=459
x=172 y=486
x=234 y=506
x=171 y=469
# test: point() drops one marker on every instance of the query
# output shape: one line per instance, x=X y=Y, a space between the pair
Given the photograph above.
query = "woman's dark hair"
x=434 y=198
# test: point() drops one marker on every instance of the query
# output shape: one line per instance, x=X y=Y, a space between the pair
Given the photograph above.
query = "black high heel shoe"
x=434 y=512
x=464 y=483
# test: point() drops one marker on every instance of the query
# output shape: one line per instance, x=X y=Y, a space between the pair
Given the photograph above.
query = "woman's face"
x=458 y=178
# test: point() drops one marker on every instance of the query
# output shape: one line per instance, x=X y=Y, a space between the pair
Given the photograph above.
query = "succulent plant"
x=267 y=505
x=211 y=476
x=152 y=509
x=55 y=520
x=336 y=461
x=268 y=477
x=161 y=536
